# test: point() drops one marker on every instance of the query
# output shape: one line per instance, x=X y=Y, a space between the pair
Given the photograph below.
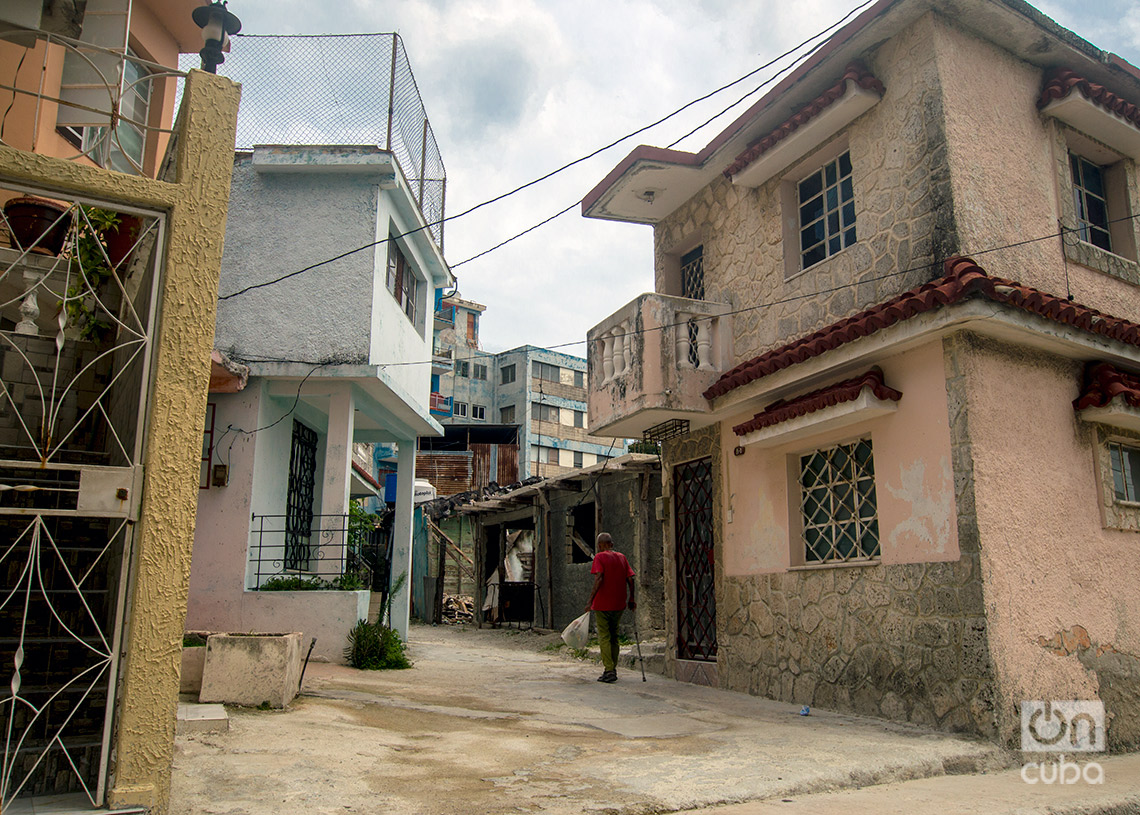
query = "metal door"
x=696 y=595
x=75 y=355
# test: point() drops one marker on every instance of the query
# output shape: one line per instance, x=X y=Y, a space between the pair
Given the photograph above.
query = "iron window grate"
x=671 y=429
x=838 y=505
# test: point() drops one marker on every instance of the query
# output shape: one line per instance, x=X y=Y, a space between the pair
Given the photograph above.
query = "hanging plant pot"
x=36 y=223
x=120 y=238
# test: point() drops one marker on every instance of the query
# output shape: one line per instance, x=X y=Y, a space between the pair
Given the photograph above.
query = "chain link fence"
x=338 y=89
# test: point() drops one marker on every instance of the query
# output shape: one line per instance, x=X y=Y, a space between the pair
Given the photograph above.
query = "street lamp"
x=217 y=24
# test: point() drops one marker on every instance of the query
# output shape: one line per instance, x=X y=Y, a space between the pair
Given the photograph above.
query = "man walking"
x=613 y=576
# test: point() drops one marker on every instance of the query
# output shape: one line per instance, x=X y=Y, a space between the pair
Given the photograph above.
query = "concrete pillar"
x=402 y=537
x=336 y=481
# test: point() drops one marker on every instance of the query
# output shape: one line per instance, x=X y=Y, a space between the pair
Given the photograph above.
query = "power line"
x=548 y=175
x=756 y=306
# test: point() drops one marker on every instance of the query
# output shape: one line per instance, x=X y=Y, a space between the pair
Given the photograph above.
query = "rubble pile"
x=458 y=609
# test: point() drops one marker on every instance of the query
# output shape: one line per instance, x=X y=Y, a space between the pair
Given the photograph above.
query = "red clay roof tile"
x=846 y=391
x=1105 y=382
x=855 y=72
x=1063 y=81
x=963 y=279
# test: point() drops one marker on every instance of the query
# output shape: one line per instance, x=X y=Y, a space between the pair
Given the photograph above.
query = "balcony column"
x=704 y=343
x=335 y=483
x=607 y=358
x=681 y=327
x=627 y=345
x=401 y=607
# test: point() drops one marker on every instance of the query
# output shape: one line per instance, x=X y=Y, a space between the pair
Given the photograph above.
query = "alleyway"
x=489 y=722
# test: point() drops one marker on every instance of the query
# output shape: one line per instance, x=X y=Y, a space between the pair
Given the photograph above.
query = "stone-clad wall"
x=904 y=214
x=907 y=642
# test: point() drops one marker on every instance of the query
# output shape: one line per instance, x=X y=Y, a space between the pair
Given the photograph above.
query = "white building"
x=336 y=355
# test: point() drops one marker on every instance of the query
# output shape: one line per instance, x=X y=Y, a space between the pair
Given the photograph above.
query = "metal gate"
x=76 y=326
x=696 y=595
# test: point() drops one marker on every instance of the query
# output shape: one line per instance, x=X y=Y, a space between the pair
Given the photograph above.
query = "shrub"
x=375 y=647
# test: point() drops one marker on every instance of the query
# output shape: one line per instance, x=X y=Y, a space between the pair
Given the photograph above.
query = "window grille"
x=693 y=274
x=669 y=429
x=1089 y=199
x=207 y=448
x=299 y=501
x=837 y=503
x=827 y=211
x=1125 y=472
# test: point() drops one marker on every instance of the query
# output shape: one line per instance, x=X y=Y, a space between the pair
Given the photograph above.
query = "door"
x=696 y=595
x=75 y=354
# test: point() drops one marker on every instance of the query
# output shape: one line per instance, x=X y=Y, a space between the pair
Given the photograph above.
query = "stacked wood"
x=458 y=609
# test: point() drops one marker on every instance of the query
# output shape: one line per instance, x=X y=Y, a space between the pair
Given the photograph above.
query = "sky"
x=517 y=88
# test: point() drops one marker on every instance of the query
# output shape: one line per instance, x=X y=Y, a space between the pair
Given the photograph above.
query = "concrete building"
x=899 y=483
x=320 y=379
x=540 y=392
x=108 y=290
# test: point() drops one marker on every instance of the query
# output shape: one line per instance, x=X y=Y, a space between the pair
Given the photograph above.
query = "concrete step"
x=202 y=718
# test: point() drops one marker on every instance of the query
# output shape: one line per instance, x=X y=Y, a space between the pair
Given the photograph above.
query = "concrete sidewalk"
x=489 y=722
x=1003 y=793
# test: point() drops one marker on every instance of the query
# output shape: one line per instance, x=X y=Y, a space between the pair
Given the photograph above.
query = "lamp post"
x=217 y=24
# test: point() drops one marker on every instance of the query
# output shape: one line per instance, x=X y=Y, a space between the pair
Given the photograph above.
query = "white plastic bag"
x=577 y=634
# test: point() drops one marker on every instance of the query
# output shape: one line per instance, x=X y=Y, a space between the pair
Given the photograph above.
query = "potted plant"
x=37 y=224
x=93 y=264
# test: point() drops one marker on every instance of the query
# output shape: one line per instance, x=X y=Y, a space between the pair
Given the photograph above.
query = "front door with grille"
x=76 y=331
x=299 y=502
x=696 y=595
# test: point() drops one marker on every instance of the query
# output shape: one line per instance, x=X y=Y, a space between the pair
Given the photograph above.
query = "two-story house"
x=110 y=245
x=894 y=359
x=336 y=356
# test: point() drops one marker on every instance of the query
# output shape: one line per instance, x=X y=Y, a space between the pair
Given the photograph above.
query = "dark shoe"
x=608 y=676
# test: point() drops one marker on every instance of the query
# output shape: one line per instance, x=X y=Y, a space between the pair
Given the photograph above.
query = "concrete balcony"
x=650 y=362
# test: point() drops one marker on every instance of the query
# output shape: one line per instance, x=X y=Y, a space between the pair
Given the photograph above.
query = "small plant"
x=650 y=447
x=375 y=646
x=265 y=706
x=193 y=641
x=293 y=582
x=89 y=263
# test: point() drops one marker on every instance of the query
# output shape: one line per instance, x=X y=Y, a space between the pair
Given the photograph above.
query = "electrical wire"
x=1064 y=231
x=550 y=174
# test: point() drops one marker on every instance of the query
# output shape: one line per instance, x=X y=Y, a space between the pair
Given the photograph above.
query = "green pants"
x=607 y=623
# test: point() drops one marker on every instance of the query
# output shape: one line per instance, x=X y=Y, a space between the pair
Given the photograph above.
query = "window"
x=693 y=274
x=837 y=504
x=299 y=496
x=578 y=458
x=462 y=368
x=207 y=448
x=579 y=379
x=479 y=372
x=1089 y=200
x=546 y=413
x=129 y=141
x=547 y=373
x=580 y=525
x=579 y=418
x=507 y=415
x=479 y=412
x=472 y=329
x=545 y=455
x=1125 y=472
x=402 y=283
x=826 y=202
x=461 y=409
x=507 y=374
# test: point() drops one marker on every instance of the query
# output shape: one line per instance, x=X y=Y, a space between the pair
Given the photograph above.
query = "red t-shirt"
x=614 y=569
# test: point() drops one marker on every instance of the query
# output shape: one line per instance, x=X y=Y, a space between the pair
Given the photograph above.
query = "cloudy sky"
x=517 y=88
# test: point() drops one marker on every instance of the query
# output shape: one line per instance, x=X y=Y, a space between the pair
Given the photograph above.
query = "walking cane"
x=637 y=639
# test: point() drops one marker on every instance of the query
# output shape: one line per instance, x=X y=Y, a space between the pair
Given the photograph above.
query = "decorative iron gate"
x=73 y=410
x=696 y=595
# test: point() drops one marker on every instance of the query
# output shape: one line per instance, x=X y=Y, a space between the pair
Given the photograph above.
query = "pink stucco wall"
x=914 y=483
x=1048 y=564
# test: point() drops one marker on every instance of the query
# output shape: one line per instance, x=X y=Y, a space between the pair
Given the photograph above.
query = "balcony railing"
x=651 y=360
x=439 y=404
x=322 y=551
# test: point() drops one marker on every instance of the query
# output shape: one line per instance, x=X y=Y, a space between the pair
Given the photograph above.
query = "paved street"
x=489 y=722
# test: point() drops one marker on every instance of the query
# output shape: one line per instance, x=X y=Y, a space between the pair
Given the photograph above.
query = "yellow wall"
x=196 y=201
